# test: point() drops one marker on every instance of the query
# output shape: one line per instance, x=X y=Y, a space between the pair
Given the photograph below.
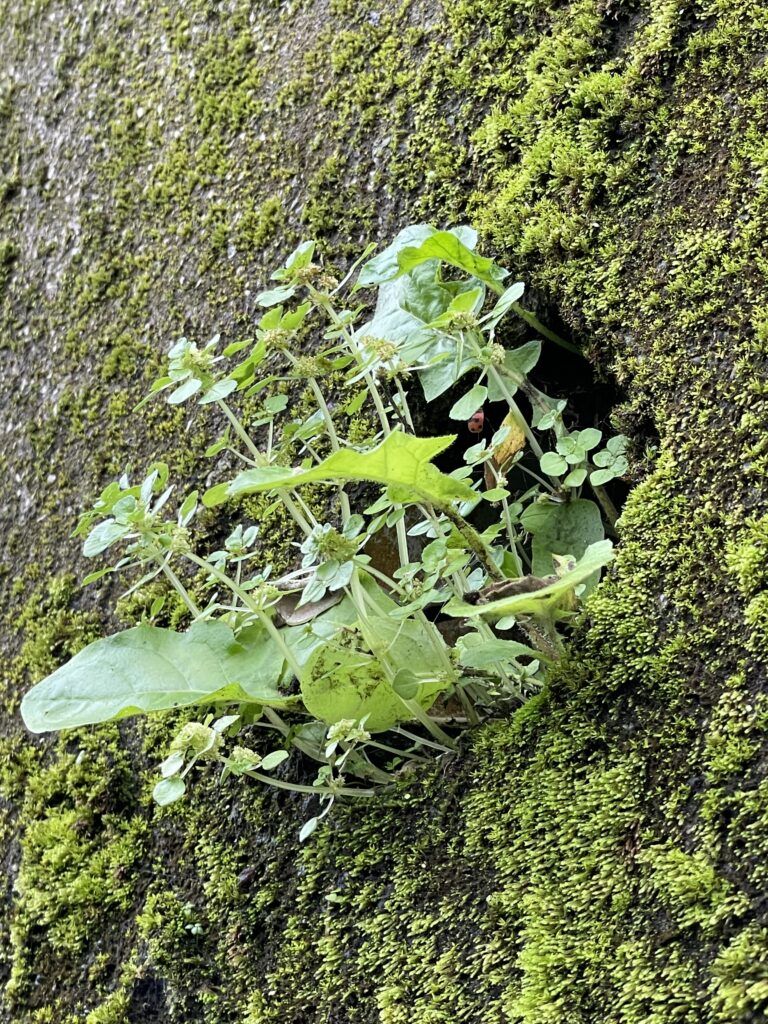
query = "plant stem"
x=533 y=321
x=261 y=460
x=251 y=605
x=474 y=540
x=610 y=510
x=179 y=587
x=295 y=787
x=520 y=420
x=418 y=712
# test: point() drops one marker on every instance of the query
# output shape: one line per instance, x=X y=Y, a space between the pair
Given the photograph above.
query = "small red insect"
x=476 y=422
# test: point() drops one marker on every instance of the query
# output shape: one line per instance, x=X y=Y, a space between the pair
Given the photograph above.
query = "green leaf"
x=218 y=391
x=103 y=536
x=307 y=829
x=469 y=404
x=539 y=602
x=339 y=683
x=405 y=308
x=575 y=478
x=274 y=296
x=401 y=461
x=521 y=360
x=448 y=248
x=552 y=464
x=148 y=669
x=172 y=764
x=601 y=476
x=564 y=529
x=518 y=363
x=169 y=791
x=477 y=651
x=589 y=438
x=506 y=301
x=93 y=576
x=301 y=256
x=275 y=404
x=385 y=267
x=345 y=683
x=188 y=507
x=190 y=387
x=273 y=759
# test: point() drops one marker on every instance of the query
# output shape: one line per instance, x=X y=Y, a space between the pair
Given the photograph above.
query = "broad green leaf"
x=343 y=683
x=520 y=361
x=384 y=267
x=148 y=669
x=405 y=308
x=539 y=602
x=561 y=529
x=339 y=683
x=469 y=403
x=401 y=462
x=448 y=248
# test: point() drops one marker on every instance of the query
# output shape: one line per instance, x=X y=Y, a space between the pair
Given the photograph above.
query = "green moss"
x=601 y=856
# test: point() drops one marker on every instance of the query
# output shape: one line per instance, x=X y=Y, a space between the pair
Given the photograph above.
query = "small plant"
x=379 y=685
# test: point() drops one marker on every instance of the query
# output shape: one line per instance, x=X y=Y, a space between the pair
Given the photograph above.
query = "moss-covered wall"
x=599 y=859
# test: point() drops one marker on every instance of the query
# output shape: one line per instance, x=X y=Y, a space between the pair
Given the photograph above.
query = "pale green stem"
x=418 y=712
x=405 y=408
x=533 y=321
x=469 y=709
x=261 y=460
x=498 y=380
x=474 y=540
x=295 y=787
x=420 y=739
x=179 y=587
x=346 y=511
x=394 y=750
x=251 y=605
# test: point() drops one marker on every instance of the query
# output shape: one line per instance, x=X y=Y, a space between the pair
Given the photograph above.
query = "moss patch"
x=598 y=858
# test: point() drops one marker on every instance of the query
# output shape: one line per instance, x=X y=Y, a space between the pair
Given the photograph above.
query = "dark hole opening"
x=560 y=374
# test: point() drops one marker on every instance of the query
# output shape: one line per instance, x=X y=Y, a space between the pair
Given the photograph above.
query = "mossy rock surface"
x=601 y=857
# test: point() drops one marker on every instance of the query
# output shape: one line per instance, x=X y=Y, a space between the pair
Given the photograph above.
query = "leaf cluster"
x=339 y=659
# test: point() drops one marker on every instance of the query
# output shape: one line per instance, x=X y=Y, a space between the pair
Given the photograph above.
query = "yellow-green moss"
x=599 y=859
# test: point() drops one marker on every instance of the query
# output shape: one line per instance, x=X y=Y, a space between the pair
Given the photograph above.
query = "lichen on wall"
x=599 y=857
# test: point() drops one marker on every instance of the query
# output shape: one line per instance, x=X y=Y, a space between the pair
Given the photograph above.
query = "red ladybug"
x=476 y=422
